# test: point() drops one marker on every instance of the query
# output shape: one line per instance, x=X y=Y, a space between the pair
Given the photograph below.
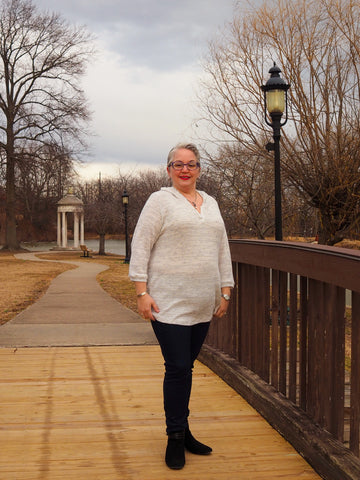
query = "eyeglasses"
x=180 y=165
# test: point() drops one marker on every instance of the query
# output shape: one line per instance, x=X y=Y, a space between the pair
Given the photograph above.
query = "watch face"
x=227 y=297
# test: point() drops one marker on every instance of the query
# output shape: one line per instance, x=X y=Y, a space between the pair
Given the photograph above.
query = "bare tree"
x=142 y=186
x=245 y=190
x=41 y=102
x=101 y=209
x=104 y=206
x=42 y=175
x=316 y=43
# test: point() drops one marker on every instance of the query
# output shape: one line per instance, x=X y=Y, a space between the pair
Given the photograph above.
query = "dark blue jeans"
x=180 y=345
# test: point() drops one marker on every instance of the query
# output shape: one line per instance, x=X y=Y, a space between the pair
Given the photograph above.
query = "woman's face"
x=184 y=179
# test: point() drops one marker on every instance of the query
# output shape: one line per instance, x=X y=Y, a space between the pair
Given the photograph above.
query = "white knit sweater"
x=183 y=255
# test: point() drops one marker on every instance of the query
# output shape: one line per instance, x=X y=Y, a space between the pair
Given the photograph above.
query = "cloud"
x=141 y=84
x=160 y=34
x=138 y=112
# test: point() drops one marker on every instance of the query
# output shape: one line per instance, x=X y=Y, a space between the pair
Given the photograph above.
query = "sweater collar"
x=177 y=194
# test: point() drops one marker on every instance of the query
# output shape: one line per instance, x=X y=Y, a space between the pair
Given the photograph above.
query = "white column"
x=58 y=229
x=64 y=230
x=76 y=229
x=82 y=240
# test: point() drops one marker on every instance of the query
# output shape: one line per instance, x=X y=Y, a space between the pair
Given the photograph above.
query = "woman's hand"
x=146 y=306
x=221 y=311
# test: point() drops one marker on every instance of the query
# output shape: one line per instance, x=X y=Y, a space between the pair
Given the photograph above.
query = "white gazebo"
x=70 y=204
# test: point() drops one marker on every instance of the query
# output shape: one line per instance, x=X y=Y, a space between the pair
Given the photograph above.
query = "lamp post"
x=125 y=201
x=275 y=103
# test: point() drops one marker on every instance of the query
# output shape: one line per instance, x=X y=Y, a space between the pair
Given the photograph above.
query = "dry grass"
x=353 y=244
x=22 y=282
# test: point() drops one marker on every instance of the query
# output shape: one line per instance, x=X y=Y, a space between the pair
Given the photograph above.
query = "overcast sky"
x=141 y=86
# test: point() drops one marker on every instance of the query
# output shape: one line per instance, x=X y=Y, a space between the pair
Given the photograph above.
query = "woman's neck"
x=191 y=190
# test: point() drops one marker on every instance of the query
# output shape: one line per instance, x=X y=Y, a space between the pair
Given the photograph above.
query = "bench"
x=86 y=251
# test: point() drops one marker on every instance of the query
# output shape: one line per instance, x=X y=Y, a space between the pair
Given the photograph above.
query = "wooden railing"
x=290 y=345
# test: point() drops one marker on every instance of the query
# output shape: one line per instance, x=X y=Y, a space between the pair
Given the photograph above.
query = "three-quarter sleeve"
x=225 y=264
x=145 y=235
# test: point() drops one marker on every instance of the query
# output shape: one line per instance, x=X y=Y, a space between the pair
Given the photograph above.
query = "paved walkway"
x=75 y=311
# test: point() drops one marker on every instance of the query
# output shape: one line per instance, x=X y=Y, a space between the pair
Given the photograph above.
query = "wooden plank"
x=303 y=341
x=267 y=325
x=240 y=329
x=338 y=385
x=293 y=338
x=252 y=324
x=274 y=368
x=233 y=315
x=283 y=331
x=245 y=313
x=315 y=354
x=96 y=412
x=327 y=366
x=355 y=375
x=262 y=323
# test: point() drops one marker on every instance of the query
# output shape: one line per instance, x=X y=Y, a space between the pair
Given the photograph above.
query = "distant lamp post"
x=125 y=201
x=275 y=103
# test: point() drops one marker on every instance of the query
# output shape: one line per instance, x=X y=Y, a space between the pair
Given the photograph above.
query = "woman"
x=181 y=267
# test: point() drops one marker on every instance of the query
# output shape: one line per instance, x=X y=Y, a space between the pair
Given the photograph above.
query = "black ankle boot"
x=194 y=446
x=175 y=450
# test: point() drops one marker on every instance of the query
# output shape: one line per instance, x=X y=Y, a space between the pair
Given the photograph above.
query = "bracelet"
x=141 y=294
x=227 y=297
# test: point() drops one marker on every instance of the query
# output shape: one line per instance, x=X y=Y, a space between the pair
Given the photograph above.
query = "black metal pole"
x=127 y=259
x=276 y=125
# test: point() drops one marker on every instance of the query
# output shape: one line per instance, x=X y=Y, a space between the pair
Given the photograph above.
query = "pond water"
x=111 y=246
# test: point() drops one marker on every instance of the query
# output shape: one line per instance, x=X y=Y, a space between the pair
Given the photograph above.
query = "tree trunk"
x=102 y=244
x=328 y=234
x=10 y=205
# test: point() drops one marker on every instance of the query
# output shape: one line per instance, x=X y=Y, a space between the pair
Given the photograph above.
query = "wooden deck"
x=95 y=413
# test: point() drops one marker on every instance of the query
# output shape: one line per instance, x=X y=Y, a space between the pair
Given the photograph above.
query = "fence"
x=290 y=345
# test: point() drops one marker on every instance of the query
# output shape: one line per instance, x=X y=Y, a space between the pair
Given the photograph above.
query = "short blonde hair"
x=187 y=146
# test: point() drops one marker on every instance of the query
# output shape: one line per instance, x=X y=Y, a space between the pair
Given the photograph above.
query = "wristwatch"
x=224 y=295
